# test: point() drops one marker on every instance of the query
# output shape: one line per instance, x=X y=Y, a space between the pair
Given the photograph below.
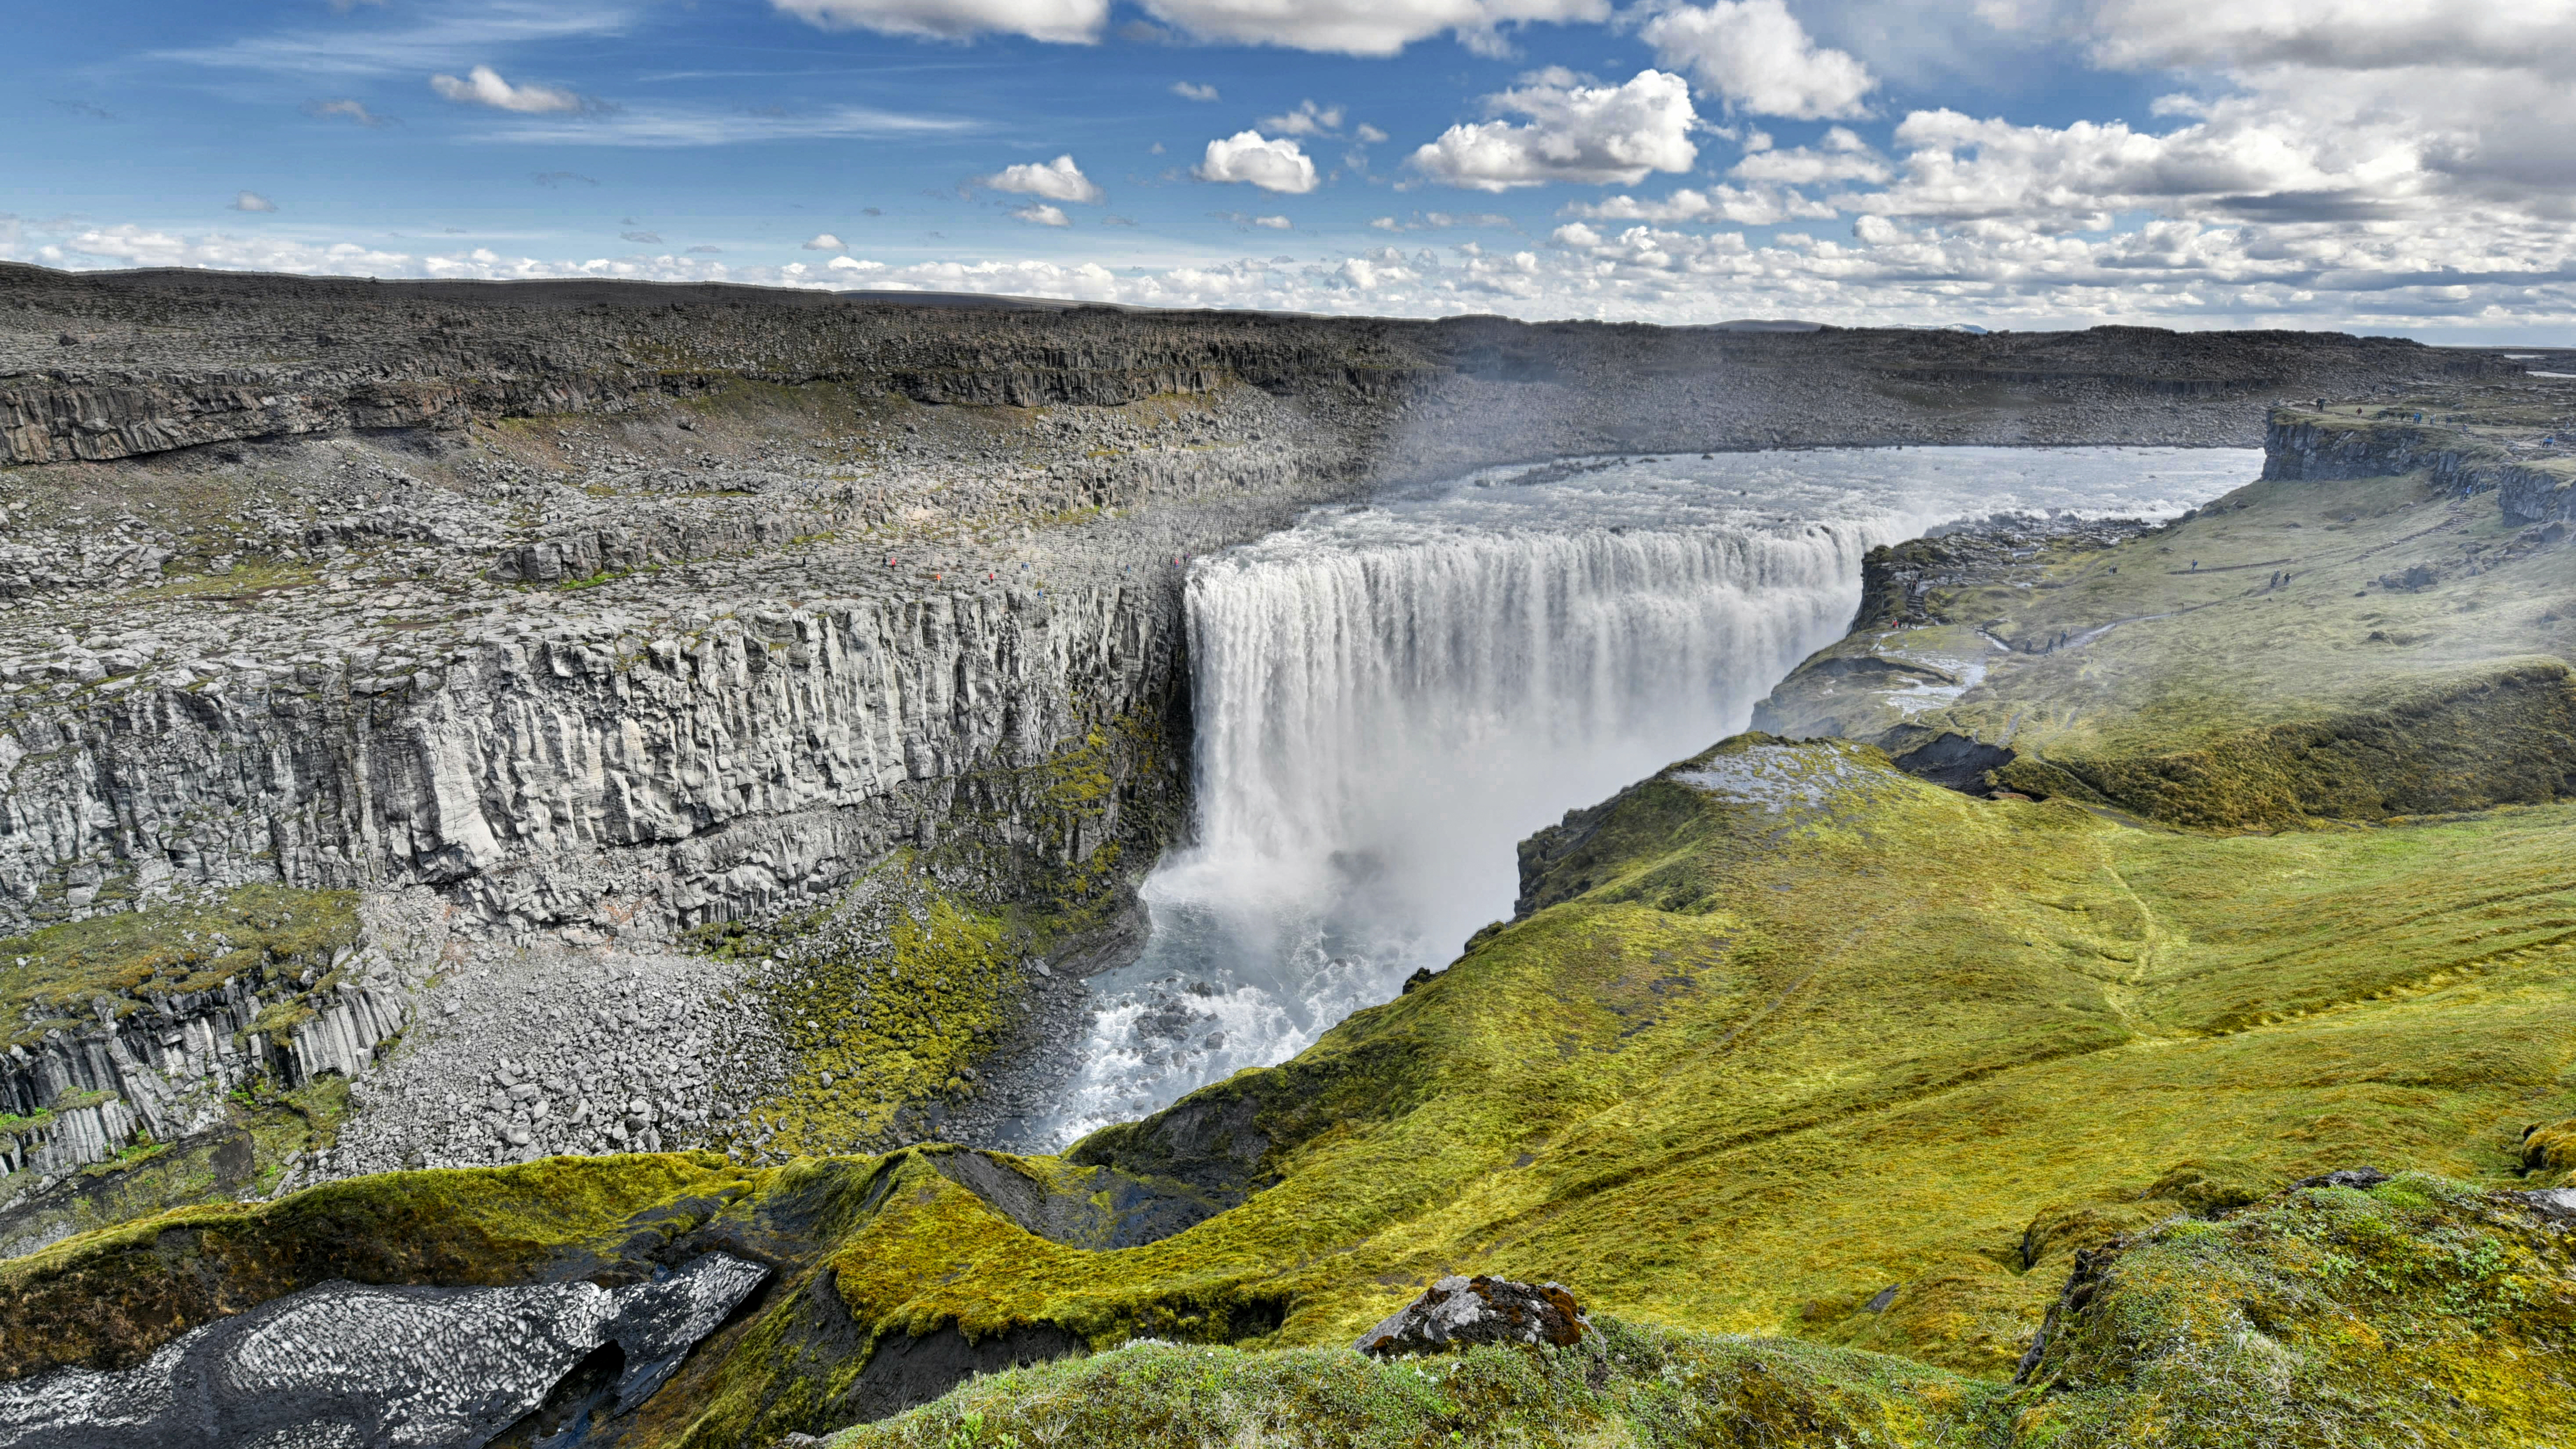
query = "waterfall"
x=1389 y=698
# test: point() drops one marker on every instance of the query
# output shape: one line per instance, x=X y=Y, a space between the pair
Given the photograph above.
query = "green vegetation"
x=1788 y=1043
x=249 y=578
x=182 y=946
x=2416 y=1313
x=894 y=993
x=1628 y=1384
x=889 y=996
x=1765 y=1065
x=110 y=1297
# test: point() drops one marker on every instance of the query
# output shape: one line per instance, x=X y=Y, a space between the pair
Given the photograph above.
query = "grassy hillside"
x=1837 y=1095
x=2301 y=648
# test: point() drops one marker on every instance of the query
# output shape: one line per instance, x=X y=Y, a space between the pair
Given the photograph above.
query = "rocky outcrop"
x=753 y=761
x=342 y=1363
x=2460 y=458
x=1457 y=1311
x=77 y=1097
x=270 y=357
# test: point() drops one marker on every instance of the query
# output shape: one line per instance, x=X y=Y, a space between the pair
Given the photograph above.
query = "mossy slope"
x=2339 y=648
x=2417 y=1313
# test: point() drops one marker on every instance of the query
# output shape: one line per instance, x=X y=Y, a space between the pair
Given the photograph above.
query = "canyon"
x=521 y=726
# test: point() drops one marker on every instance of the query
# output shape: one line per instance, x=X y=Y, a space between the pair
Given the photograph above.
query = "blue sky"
x=2391 y=166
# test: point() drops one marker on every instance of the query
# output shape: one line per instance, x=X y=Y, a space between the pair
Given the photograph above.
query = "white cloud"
x=683 y=128
x=1042 y=214
x=1308 y=119
x=1365 y=27
x=1273 y=223
x=252 y=201
x=1056 y=180
x=641 y=238
x=1347 y=27
x=1757 y=57
x=1598 y=134
x=1273 y=164
x=1442 y=220
x=1884 y=271
x=343 y=106
x=1065 y=22
x=1841 y=156
x=483 y=86
x=824 y=242
x=451 y=35
x=2330 y=34
x=1367 y=135
x=1758 y=206
x=1192 y=91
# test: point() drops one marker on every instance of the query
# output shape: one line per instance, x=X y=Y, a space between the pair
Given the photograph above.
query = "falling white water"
x=1390 y=697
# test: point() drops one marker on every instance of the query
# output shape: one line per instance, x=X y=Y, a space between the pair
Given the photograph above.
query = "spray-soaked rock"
x=1458 y=1311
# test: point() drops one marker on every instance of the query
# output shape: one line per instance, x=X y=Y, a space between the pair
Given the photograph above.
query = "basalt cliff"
x=597 y=757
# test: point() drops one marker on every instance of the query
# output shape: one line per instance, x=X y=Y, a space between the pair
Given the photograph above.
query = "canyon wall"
x=604 y=611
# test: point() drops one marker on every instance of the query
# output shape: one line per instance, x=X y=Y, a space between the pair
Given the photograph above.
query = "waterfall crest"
x=1389 y=698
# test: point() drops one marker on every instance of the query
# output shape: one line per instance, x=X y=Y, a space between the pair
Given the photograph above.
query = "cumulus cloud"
x=1755 y=56
x=1580 y=133
x=1347 y=27
x=1192 y=91
x=1308 y=119
x=1366 y=27
x=483 y=86
x=1056 y=180
x=1840 y=157
x=252 y=201
x=1884 y=270
x=346 y=108
x=1041 y=214
x=641 y=238
x=1758 y=206
x=1065 y=22
x=1441 y=220
x=1271 y=163
x=2326 y=34
x=824 y=242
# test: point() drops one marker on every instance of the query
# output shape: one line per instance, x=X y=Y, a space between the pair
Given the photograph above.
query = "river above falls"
x=1389 y=697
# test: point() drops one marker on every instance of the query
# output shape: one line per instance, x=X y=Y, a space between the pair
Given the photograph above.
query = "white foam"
x=1390 y=698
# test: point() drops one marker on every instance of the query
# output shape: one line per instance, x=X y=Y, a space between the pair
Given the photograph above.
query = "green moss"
x=1895 y=1033
x=2252 y=667
x=1628 y=1384
x=168 y=949
x=883 y=1018
x=109 y=1298
x=2416 y=1313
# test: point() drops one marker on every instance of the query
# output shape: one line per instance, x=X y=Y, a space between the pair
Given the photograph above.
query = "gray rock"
x=1457 y=1311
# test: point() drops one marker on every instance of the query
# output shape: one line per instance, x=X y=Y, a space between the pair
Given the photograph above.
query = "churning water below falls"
x=1390 y=697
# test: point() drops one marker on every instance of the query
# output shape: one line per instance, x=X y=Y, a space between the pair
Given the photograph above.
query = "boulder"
x=1456 y=1311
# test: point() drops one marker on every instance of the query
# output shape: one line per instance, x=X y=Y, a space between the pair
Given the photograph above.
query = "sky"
x=2378 y=166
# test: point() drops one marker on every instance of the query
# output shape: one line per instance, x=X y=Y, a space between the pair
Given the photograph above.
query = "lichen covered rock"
x=1457 y=1311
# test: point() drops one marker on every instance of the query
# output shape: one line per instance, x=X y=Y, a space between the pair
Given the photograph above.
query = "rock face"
x=1456 y=1311
x=597 y=614
x=344 y=1364
x=724 y=770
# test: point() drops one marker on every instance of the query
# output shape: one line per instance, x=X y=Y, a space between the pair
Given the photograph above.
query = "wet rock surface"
x=342 y=1365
